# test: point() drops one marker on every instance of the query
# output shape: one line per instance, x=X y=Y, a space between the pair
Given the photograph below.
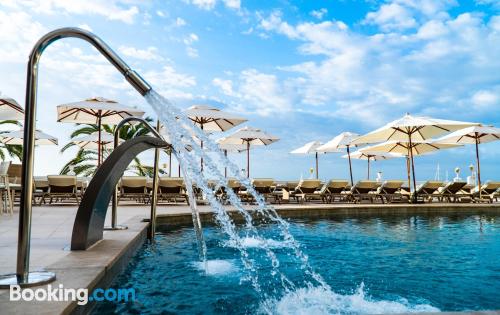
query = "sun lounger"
x=453 y=192
x=40 y=188
x=335 y=188
x=429 y=190
x=172 y=188
x=61 y=188
x=489 y=192
x=364 y=189
x=7 y=204
x=232 y=184
x=390 y=190
x=15 y=172
x=134 y=188
x=265 y=187
x=285 y=189
x=306 y=190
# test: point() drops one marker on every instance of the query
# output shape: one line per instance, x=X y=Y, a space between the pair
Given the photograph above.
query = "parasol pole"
x=248 y=158
x=99 y=149
x=476 y=136
x=317 y=169
x=412 y=168
x=368 y=167
x=350 y=165
x=408 y=171
x=201 y=149
x=170 y=163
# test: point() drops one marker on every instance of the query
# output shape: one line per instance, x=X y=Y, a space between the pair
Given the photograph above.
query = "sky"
x=300 y=70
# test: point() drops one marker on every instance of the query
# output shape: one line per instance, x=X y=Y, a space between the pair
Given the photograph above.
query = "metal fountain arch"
x=114 y=201
x=22 y=276
x=89 y=222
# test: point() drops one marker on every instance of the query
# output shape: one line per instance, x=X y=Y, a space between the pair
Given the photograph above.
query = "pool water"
x=373 y=265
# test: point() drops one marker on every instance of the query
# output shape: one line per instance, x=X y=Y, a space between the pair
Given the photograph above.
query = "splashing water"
x=216 y=267
x=313 y=293
x=320 y=301
x=182 y=133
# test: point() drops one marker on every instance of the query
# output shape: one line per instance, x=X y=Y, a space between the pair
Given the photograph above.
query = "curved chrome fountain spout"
x=23 y=277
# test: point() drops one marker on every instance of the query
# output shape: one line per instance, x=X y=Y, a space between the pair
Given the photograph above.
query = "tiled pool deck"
x=96 y=267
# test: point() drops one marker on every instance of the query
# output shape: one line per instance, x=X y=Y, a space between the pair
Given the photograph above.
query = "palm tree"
x=85 y=161
x=12 y=150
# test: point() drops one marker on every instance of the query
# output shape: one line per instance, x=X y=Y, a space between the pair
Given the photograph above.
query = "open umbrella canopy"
x=342 y=141
x=95 y=110
x=420 y=128
x=231 y=147
x=310 y=148
x=410 y=129
x=469 y=135
x=473 y=135
x=16 y=137
x=90 y=141
x=248 y=136
x=408 y=149
x=251 y=136
x=212 y=119
x=10 y=109
x=418 y=147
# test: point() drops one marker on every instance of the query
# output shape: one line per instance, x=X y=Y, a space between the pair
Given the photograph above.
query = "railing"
x=154 y=193
x=22 y=276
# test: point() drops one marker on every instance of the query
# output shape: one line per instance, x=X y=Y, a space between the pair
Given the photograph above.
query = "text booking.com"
x=81 y=296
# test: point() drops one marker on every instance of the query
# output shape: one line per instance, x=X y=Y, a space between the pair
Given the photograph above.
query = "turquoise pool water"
x=373 y=265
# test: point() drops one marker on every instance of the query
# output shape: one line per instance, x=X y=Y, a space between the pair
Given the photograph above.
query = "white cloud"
x=180 y=22
x=18 y=33
x=150 y=53
x=191 y=38
x=168 y=76
x=493 y=3
x=189 y=41
x=432 y=29
x=211 y=4
x=391 y=16
x=485 y=99
x=319 y=14
x=226 y=86
x=192 y=52
x=232 y=4
x=257 y=92
x=436 y=63
x=204 y=4
x=171 y=83
x=85 y=27
x=117 y=10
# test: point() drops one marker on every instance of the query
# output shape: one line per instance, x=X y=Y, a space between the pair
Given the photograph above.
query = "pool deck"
x=96 y=267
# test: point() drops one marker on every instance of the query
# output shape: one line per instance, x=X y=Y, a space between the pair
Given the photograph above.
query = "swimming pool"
x=373 y=265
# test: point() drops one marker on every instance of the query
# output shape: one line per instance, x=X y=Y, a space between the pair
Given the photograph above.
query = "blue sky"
x=301 y=70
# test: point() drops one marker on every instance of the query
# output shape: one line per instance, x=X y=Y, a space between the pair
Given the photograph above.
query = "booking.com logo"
x=81 y=296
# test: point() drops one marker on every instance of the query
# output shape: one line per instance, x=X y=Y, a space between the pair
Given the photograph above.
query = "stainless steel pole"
x=23 y=277
x=154 y=194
